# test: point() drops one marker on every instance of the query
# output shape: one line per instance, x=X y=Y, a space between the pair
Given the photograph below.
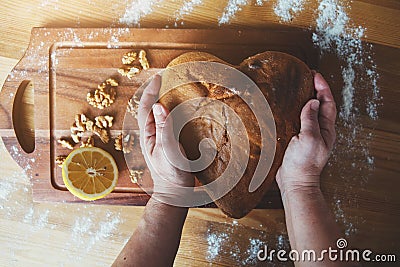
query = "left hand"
x=157 y=140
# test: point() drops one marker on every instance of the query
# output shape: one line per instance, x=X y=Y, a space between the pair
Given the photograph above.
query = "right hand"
x=308 y=152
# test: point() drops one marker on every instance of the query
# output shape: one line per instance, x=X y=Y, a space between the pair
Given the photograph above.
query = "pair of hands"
x=304 y=159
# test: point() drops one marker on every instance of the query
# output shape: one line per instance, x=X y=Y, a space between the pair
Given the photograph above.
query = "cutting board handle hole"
x=23 y=116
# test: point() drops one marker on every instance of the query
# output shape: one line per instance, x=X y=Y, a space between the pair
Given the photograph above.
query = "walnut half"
x=135 y=175
x=60 y=160
x=65 y=143
x=102 y=133
x=124 y=143
x=133 y=64
x=133 y=106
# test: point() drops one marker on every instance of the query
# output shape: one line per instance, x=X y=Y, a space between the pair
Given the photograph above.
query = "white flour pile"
x=287 y=9
x=231 y=9
x=138 y=9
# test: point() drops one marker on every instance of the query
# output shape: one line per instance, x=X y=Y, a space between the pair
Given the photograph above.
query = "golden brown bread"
x=287 y=84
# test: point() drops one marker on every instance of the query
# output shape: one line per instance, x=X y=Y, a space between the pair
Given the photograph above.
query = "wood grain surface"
x=365 y=200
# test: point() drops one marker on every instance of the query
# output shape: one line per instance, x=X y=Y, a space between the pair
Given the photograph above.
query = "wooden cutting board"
x=65 y=64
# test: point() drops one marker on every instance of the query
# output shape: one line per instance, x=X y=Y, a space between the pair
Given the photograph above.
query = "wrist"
x=311 y=185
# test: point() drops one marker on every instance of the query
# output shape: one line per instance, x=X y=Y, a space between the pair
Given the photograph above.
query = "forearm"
x=156 y=239
x=311 y=225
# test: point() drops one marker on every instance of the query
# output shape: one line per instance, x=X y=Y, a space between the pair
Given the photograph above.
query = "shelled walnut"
x=83 y=124
x=124 y=143
x=129 y=58
x=65 y=143
x=129 y=71
x=80 y=125
x=104 y=122
x=135 y=175
x=102 y=134
x=104 y=96
x=143 y=60
x=133 y=106
x=134 y=64
x=60 y=160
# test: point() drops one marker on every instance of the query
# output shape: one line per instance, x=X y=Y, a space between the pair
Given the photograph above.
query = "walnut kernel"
x=60 y=160
x=129 y=58
x=102 y=133
x=143 y=60
x=124 y=143
x=104 y=122
x=135 y=175
x=132 y=108
x=65 y=143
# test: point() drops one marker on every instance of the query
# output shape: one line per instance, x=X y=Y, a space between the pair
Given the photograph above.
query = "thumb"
x=309 y=117
x=164 y=127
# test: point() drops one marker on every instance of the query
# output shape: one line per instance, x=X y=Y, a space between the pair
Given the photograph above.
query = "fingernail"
x=315 y=105
x=157 y=109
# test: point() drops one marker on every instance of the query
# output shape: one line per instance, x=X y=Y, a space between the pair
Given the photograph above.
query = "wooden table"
x=48 y=234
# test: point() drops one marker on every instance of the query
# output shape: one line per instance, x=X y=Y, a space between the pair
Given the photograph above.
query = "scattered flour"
x=255 y=245
x=138 y=9
x=42 y=220
x=260 y=2
x=6 y=188
x=87 y=233
x=187 y=8
x=28 y=218
x=230 y=10
x=81 y=226
x=287 y=9
x=335 y=33
x=230 y=244
x=214 y=241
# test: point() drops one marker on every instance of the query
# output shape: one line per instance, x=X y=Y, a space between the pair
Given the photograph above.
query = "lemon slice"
x=90 y=173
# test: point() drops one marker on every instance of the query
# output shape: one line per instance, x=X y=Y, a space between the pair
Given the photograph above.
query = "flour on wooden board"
x=87 y=231
x=335 y=33
x=138 y=9
x=242 y=249
x=232 y=7
x=287 y=9
x=86 y=234
x=187 y=8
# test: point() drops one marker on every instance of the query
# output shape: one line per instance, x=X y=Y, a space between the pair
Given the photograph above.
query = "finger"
x=148 y=134
x=149 y=97
x=324 y=93
x=146 y=120
x=164 y=127
x=327 y=114
x=309 y=118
